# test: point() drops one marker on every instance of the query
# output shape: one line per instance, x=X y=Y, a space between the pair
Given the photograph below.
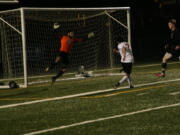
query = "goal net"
x=28 y=42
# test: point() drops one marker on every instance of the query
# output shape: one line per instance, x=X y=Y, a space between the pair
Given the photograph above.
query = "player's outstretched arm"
x=86 y=37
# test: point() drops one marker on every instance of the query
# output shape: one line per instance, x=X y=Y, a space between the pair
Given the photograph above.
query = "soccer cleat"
x=131 y=86
x=160 y=75
x=47 y=69
x=53 y=80
x=117 y=85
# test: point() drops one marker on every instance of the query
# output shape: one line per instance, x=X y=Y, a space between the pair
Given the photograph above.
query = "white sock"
x=123 y=79
x=129 y=81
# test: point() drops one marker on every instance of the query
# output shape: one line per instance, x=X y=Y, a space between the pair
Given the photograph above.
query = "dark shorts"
x=64 y=58
x=127 y=67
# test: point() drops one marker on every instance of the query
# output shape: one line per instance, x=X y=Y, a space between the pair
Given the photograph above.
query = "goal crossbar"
x=84 y=9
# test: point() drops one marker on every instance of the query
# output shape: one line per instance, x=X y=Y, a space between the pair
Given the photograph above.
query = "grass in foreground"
x=45 y=115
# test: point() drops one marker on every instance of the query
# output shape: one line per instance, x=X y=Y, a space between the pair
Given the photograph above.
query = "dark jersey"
x=173 y=41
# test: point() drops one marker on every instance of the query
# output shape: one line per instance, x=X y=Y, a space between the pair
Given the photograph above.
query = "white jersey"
x=128 y=54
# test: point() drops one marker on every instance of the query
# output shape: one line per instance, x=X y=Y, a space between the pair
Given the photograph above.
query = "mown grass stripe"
x=80 y=94
x=102 y=119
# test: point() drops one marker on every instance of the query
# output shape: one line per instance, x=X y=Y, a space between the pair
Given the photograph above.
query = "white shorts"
x=168 y=55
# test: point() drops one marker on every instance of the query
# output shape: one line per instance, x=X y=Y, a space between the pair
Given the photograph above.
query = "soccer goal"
x=28 y=42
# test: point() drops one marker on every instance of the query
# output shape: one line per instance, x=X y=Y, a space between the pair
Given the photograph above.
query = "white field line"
x=174 y=93
x=102 y=119
x=80 y=94
x=141 y=94
x=77 y=78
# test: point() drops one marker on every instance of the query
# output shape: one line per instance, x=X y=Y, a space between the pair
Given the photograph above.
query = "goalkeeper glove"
x=91 y=34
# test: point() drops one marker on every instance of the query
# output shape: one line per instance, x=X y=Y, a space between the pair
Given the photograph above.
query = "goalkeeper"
x=67 y=42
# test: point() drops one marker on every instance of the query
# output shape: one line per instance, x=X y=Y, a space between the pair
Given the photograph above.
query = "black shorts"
x=127 y=67
x=64 y=58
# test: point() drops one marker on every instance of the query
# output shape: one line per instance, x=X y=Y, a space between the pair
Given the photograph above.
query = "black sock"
x=164 y=65
x=59 y=74
x=163 y=71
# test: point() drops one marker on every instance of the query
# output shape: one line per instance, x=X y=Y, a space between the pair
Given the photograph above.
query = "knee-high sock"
x=164 y=66
x=129 y=81
x=123 y=79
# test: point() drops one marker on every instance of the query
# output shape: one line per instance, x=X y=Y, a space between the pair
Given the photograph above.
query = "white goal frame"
x=23 y=28
x=9 y=1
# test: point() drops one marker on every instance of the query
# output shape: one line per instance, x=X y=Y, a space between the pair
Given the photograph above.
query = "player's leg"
x=54 y=63
x=60 y=73
x=127 y=68
x=128 y=73
x=124 y=78
x=166 y=57
x=65 y=61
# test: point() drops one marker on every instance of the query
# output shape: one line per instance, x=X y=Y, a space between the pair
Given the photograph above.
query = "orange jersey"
x=67 y=43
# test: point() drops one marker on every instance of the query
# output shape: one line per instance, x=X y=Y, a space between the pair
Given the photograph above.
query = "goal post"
x=23 y=27
x=12 y=44
x=29 y=44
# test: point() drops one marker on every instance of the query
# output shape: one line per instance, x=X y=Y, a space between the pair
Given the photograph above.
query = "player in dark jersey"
x=172 y=46
x=67 y=42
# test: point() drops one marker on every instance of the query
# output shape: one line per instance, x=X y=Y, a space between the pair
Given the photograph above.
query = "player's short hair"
x=173 y=21
x=70 y=31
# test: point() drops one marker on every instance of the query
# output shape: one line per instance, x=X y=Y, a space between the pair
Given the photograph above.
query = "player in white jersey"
x=127 y=59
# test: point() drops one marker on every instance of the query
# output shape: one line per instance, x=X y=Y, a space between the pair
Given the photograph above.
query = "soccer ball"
x=56 y=25
x=13 y=84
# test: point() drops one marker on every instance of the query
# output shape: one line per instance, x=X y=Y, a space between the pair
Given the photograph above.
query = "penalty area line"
x=102 y=119
x=80 y=94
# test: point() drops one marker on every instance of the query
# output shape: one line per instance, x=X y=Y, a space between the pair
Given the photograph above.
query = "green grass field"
x=151 y=108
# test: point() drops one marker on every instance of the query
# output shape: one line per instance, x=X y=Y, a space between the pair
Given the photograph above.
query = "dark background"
x=149 y=20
